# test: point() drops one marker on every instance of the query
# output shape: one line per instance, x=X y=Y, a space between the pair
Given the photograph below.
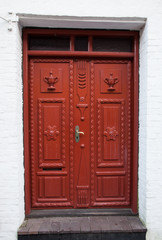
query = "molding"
x=129 y=23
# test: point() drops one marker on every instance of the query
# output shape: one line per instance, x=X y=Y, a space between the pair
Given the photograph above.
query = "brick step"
x=80 y=228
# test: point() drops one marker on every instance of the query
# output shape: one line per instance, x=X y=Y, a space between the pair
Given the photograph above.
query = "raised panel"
x=110 y=186
x=51 y=132
x=53 y=187
x=41 y=187
x=51 y=80
x=110 y=132
x=111 y=189
x=111 y=120
x=110 y=80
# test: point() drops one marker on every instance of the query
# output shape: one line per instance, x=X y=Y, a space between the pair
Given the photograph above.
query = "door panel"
x=51 y=132
x=81 y=119
x=112 y=146
x=110 y=116
x=51 y=125
x=89 y=168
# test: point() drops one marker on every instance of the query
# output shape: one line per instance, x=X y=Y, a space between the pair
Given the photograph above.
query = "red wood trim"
x=134 y=55
x=135 y=127
x=80 y=54
x=72 y=43
x=81 y=32
x=26 y=125
x=90 y=43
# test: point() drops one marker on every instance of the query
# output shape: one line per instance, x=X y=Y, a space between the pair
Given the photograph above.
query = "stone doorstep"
x=89 y=224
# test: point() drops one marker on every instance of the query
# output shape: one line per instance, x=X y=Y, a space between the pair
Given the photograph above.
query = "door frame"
x=134 y=56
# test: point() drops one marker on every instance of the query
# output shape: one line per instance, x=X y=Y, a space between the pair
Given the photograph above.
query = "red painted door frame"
x=132 y=56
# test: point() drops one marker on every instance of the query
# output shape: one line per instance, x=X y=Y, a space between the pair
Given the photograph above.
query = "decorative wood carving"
x=110 y=133
x=103 y=195
x=32 y=125
x=61 y=159
x=110 y=130
x=110 y=61
x=71 y=97
x=51 y=132
x=129 y=130
x=121 y=133
x=82 y=185
x=51 y=81
x=92 y=133
x=82 y=80
x=82 y=87
x=82 y=108
x=82 y=197
x=111 y=81
x=37 y=191
x=58 y=71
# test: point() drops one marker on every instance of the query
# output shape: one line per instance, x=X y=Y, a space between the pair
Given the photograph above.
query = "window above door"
x=86 y=41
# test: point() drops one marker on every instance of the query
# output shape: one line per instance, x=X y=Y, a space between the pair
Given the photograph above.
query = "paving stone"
x=85 y=224
x=136 y=224
x=24 y=228
x=55 y=227
x=80 y=228
x=75 y=225
x=64 y=224
x=45 y=227
x=34 y=228
x=95 y=224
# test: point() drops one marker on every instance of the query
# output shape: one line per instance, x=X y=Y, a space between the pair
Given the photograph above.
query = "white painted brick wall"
x=142 y=121
x=11 y=137
x=150 y=104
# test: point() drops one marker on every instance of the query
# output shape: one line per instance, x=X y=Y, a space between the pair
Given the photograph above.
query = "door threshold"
x=79 y=212
x=91 y=228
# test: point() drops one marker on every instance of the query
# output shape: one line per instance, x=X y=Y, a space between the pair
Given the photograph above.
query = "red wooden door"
x=80 y=125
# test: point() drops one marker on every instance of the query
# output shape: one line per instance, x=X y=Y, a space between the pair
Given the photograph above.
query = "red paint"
x=100 y=95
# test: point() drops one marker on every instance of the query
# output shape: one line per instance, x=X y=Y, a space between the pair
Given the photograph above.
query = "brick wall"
x=11 y=133
x=150 y=103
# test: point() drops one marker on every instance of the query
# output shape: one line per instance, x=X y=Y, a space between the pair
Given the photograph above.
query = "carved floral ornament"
x=51 y=132
x=111 y=133
x=111 y=81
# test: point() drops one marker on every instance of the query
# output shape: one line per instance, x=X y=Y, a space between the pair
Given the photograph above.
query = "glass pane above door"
x=102 y=44
x=49 y=43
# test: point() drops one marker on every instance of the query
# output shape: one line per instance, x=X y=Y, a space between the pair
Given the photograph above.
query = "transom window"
x=80 y=43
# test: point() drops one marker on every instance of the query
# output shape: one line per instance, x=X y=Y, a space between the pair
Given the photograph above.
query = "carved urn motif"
x=51 y=81
x=111 y=82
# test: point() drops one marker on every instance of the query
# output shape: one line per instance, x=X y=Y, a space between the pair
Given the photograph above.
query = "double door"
x=80 y=132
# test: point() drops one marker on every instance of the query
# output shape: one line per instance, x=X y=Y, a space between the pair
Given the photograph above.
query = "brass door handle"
x=79 y=132
x=77 y=138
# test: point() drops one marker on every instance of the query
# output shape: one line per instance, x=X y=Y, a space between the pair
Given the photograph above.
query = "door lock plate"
x=77 y=133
